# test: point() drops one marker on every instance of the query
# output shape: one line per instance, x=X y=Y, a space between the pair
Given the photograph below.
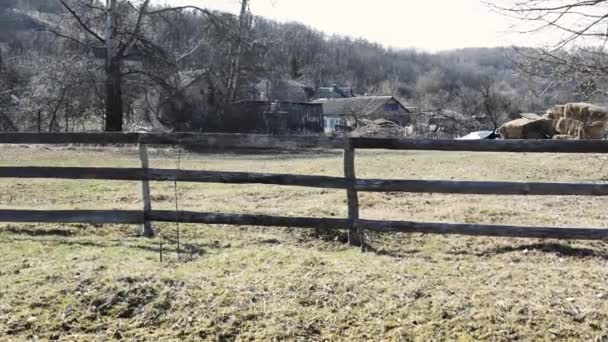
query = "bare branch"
x=81 y=22
x=135 y=35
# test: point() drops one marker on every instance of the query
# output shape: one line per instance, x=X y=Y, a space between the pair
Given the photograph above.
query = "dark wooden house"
x=264 y=117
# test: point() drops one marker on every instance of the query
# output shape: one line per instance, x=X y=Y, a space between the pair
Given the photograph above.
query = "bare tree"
x=123 y=32
x=578 y=55
x=237 y=53
x=493 y=104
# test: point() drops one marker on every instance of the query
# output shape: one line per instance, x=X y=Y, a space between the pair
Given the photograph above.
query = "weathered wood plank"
x=69 y=138
x=483 y=188
x=136 y=217
x=147 y=229
x=248 y=220
x=367 y=185
x=387 y=226
x=137 y=174
x=72 y=216
x=255 y=141
x=532 y=146
x=354 y=238
x=243 y=141
x=487 y=230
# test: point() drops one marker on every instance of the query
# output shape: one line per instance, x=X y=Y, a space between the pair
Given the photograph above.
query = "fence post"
x=351 y=193
x=147 y=229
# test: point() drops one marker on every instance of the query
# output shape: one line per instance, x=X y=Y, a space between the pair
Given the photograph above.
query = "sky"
x=428 y=25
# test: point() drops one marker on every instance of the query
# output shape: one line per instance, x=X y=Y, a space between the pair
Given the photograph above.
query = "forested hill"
x=53 y=71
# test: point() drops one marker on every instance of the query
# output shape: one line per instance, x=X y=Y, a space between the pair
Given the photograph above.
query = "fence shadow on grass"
x=169 y=245
x=559 y=249
x=36 y=231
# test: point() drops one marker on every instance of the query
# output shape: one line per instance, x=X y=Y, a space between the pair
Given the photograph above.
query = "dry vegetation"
x=79 y=282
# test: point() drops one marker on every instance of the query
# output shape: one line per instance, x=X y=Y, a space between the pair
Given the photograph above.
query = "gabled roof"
x=362 y=105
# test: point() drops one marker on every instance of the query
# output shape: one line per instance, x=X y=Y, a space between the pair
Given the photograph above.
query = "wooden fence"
x=349 y=182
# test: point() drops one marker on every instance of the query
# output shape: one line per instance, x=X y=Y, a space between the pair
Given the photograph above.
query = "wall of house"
x=261 y=117
x=331 y=121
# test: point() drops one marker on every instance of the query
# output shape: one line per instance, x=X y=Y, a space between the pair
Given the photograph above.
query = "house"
x=282 y=90
x=265 y=117
x=334 y=92
x=346 y=112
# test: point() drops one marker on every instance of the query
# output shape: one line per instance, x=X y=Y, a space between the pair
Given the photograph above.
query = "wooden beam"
x=387 y=226
x=137 y=174
x=147 y=229
x=368 y=185
x=354 y=238
x=248 y=220
x=487 y=230
x=532 y=146
x=483 y=188
x=136 y=217
x=244 y=141
x=69 y=138
x=255 y=141
x=72 y=216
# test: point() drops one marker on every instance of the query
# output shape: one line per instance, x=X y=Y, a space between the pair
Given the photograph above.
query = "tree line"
x=68 y=65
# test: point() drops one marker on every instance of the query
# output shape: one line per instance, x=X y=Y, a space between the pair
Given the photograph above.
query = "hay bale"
x=527 y=129
x=555 y=112
x=576 y=120
x=585 y=112
x=515 y=129
x=571 y=127
x=583 y=121
x=596 y=130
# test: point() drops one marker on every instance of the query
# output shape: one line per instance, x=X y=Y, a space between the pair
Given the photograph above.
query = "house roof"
x=362 y=105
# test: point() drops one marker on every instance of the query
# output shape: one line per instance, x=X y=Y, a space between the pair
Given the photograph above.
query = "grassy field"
x=80 y=282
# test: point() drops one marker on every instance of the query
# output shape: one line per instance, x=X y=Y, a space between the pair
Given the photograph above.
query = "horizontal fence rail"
x=326 y=182
x=254 y=141
x=137 y=217
x=349 y=182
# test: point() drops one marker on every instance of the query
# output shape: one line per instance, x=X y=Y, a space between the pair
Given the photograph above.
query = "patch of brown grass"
x=80 y=282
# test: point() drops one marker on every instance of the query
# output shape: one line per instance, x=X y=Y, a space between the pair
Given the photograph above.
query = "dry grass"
x=79 y=282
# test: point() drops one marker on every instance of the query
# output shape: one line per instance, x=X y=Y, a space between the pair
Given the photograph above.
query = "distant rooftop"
x=361 y=105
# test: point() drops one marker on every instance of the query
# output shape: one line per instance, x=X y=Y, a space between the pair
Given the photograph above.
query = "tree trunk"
x=113 y=84
x=114 y=107
x=235 y=69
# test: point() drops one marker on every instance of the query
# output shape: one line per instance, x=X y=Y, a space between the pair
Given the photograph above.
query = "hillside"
x=172 y=48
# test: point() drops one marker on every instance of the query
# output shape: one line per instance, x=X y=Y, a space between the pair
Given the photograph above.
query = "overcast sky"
x=429 y=25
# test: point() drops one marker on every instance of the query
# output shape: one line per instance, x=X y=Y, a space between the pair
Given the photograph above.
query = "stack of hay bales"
x=580 y=120
x=570 y=121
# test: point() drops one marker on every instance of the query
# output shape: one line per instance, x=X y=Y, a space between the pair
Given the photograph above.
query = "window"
x=332 y=123
x=391 y=107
